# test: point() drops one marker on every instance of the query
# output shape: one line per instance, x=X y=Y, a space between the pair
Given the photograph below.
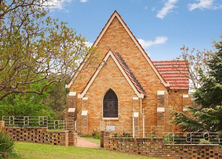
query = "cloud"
x=203 y=4
x=158 y=40
x=57 y=4
x=168 y=6
x=83 y=1
x=88 y=44
x=153 y=9
x=145 y=7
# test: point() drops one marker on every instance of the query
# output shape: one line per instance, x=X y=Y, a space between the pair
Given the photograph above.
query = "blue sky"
x=162 y=26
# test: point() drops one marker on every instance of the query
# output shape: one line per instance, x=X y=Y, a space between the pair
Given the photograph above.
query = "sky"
x=161 y=26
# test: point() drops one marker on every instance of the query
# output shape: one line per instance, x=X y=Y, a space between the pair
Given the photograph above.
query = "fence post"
x=133 y=125
x=2 y=124
x=102 y=139
x=143 y=124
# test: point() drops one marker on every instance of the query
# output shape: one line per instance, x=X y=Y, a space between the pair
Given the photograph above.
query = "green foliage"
x=96 y=135
x=29 y=104
x=35 y=48
x=115 y=135
x=151 y=136
x=57 y=98
x=6 y=146
x=206 y=113
x=203 y=141
x=126 y=135
x=186 y=122
x=122 y=135
x=51 y=103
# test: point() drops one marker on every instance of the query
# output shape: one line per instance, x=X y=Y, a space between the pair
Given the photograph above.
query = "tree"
x=28 y=104
x=206 y=115
x=195 y=60
x=35 y=48
x=57 y=98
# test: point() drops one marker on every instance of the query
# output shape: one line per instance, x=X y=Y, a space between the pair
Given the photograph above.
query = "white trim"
x=109 y=54
x=71 y=110
x=136 y=115
x=135 y=98
x=104 y=118
x=115 y=14
x=72 y=94
x=160 y=109
x=185 y=96
x=85 y=98
x=84 y=113
x=160 y=92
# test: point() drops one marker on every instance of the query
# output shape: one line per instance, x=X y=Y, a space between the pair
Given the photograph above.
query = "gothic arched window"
x=110 y=105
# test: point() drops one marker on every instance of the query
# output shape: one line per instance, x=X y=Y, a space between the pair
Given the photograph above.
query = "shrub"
x=126 y=135
x=203 y=141
x=96 y=135
x=6 y=146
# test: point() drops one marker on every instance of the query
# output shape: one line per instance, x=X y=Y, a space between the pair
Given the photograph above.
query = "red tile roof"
x=174 y=72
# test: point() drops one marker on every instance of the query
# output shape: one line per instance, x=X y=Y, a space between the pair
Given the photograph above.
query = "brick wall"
x=105 y=80
x=176 y=102
x=41 y=135
x=117 y=39
x=156 y=148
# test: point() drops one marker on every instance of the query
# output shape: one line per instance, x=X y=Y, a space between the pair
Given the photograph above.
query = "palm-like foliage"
x=6 y=146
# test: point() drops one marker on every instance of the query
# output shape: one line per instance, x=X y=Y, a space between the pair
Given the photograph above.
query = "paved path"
x=81 y=142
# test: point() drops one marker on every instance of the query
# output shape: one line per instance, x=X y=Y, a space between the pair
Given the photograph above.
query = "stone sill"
x=110 y=118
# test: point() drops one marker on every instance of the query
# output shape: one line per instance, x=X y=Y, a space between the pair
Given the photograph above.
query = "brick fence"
x=156 y=148
x=40 y=135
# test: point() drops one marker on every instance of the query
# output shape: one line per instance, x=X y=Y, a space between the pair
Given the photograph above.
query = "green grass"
x=97 y=141
x=43 y=151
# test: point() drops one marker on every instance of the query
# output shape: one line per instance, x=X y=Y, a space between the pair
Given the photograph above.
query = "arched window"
x=110 y=105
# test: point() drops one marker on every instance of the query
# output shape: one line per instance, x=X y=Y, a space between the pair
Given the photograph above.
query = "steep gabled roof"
x=112 y=17
x=174 y=72
x=125 y=71
x=129 y=73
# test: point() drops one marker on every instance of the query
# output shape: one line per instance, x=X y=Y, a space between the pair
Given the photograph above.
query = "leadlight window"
x=110 y=105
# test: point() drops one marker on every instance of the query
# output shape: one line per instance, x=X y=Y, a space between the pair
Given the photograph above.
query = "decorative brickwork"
x=41 y=135
x=156 y=148
x=2 y=124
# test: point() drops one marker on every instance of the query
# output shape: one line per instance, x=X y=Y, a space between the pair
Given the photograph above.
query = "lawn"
x=43 y=151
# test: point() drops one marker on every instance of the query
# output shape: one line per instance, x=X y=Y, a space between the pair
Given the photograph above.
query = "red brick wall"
x=41 y=135
x=156 y=148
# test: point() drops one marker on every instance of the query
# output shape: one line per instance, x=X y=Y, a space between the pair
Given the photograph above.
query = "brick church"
x=127 y=91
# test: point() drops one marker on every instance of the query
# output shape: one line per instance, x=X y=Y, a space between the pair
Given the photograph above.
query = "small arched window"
x=110 y=105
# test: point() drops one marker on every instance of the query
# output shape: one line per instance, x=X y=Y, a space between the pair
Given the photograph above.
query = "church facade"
x=127 y=91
